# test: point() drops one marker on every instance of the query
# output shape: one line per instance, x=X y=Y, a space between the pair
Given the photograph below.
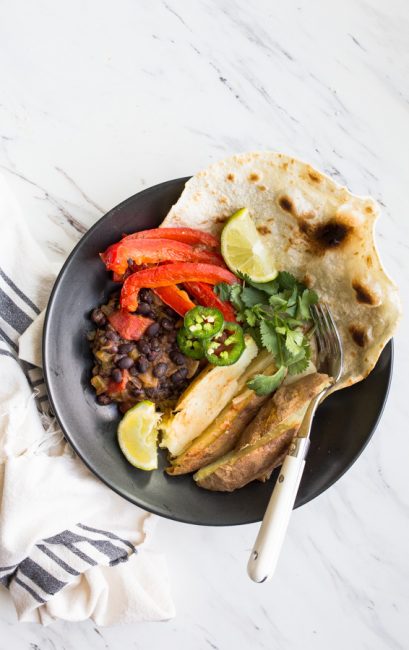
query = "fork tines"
x=328 y=339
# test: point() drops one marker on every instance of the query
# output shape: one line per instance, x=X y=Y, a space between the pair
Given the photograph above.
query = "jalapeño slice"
x=189 y=345
x=226 y=347
x=203 y=322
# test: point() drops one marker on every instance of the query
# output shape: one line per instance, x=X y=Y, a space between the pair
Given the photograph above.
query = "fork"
x=266 y=550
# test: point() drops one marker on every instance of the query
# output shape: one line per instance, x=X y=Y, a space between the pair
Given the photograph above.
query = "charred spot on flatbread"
x=263 y=230
x=230 y=177
x=313 y=176
x=253 y=177
x=363 y=294
x=358 y=335
x=286 y=204
x=331 y=235
x=308 y=280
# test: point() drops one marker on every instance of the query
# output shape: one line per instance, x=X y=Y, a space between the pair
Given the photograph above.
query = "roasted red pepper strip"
x=175 y=298
x=187 y=235
x=165 y=274
x=205 y=296
x=154 y=251
x=128 y=325
x=118 y=387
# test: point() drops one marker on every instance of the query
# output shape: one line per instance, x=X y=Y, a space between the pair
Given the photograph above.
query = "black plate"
x=342 y=427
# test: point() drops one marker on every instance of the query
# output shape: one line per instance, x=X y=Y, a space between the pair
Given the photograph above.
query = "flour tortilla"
x=317 y=230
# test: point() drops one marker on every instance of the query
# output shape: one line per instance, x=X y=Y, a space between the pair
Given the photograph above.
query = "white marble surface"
x=99 y=99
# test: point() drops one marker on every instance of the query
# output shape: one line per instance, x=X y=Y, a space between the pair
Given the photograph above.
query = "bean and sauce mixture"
x=153 y=368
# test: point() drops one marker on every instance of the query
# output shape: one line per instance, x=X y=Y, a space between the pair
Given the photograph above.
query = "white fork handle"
x=266 y=550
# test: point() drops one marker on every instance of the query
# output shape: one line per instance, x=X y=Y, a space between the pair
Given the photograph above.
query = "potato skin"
x=287 y=400
x=239 y=471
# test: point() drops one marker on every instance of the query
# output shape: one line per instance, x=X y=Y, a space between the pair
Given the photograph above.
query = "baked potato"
x=266 y=440
x=223 y=433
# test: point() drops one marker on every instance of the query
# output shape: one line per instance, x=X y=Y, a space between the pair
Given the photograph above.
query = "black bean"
x=116 y=375
x=169 y=312
x=104 y=399
x=167 y=324
x=142 y=364
x=118 y=357
x=152 y=330
x=150 y=393
x=179 y=376
x=160 y=369
x=143 y=309
x=111 y=335
x=133 y=371
x=155 y=344
x=151 y=314
x=166 y=390
x=98 y=317
x=177 y=357
x=143 y=346
x=135 y=391
x=112 y=349
x=124 y=348
x=125 y=363
x=146 y=296
x=152 y=354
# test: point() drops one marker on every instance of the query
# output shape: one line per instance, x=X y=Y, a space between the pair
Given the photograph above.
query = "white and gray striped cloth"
x=68 y=544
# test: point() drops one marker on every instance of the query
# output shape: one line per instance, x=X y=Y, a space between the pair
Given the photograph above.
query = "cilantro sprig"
x=277 y=315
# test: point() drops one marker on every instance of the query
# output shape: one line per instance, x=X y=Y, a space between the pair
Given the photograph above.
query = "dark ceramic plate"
x=342 y=427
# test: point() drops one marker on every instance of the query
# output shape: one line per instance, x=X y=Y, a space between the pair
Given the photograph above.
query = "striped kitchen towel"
x=70 y=547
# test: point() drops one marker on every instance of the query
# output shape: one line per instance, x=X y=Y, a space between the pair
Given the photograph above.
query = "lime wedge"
x=137 y=435
x=243 y=249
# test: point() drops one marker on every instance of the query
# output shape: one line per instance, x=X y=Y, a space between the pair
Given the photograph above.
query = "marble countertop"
x=101 y=99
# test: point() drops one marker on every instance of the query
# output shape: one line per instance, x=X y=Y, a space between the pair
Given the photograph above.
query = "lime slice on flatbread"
x=243 y=249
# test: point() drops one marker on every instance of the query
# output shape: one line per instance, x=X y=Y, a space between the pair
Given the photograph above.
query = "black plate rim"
x=139 y=501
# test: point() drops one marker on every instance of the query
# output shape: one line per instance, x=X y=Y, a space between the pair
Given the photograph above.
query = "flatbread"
x=317 y=230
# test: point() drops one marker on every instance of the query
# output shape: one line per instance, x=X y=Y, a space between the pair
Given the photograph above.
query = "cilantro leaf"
x=293 y=341
x=255 y=333
x=270 y=288
x=235 y=297
x=299 y=363
x=250 y=317
x=251 y=296
x=286 y=280
x=268 y=337
x=266 y=384
x=305 y=301
x=298 y=366
x=277 y=301
x=292 y=300
x=222 y=290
